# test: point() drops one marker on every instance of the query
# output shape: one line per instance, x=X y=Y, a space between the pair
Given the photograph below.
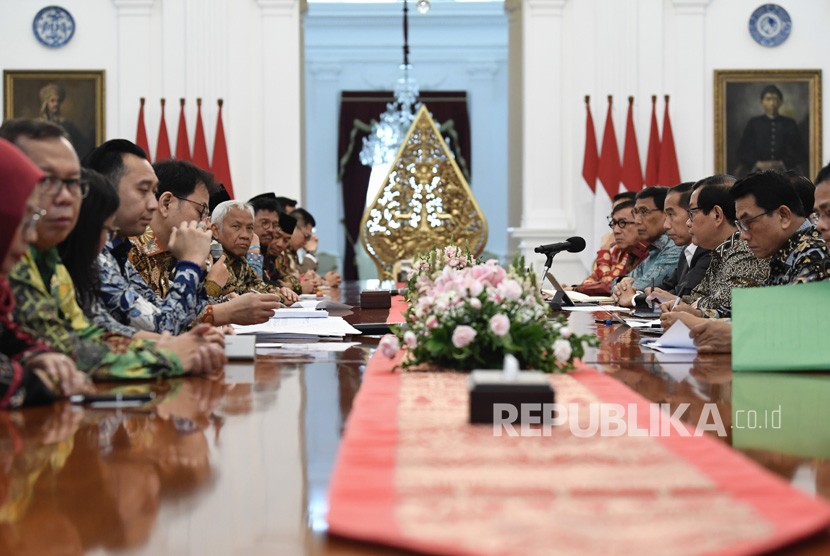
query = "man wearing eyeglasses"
x=711 y=223
x=183 y=195
x=123 y=291
x=663 y=253
x=619 y=253
x=692 y=264
x=769 y=217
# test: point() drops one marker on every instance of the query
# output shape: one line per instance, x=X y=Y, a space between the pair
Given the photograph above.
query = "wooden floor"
x=240 y=463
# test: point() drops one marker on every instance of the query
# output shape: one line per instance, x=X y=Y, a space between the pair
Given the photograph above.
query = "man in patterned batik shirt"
x=183 y=196
x=232 y=223
x=620 y=253
x=123 y=290
x=768 y=216
x=712 y=226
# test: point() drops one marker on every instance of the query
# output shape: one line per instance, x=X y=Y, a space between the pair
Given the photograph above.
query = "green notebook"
x=781 y=328
x=782 y=412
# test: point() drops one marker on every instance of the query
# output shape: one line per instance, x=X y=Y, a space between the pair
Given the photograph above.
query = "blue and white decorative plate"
x=770 y=25
x=53 y=26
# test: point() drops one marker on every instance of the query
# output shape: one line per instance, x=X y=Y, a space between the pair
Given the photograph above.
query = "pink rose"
x=432 y=321
x=499 y=324
x=410 y=339
x=463 y=336
x=389 y=346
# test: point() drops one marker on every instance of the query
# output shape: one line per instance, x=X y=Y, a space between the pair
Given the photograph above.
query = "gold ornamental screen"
x=424 y=202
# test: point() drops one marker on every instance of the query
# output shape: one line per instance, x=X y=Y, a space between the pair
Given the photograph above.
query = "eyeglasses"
x=817 y=216
x=203 y=207
x=642 y=211
x=31 y=220
x=621 y=223
x=269 y=224
x=743 y=223
x=52 y=186
x=692 y=211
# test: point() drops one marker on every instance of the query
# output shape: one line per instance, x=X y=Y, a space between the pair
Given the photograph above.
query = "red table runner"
x=397 y=310
x=412 y=473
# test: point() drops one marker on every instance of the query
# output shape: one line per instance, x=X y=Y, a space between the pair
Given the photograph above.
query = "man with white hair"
x=232 y=223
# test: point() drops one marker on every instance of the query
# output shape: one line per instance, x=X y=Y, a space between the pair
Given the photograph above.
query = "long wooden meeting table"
x=240 y=463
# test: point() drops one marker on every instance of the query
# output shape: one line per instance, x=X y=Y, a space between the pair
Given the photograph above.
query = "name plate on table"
x=488 y=388
x=240 y=347
x=781 y=328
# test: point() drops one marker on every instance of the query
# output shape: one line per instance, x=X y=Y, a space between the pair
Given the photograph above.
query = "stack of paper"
x=310 y=328
x=675 y=340
x=299 y=313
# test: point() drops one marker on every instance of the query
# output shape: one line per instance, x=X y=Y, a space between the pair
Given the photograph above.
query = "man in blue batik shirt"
x=123 y=291
x=663 y=254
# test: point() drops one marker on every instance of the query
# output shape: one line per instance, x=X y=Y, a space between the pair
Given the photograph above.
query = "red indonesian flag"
x=182 y=142
x=200 y=154
x=653 y=156
x=609 y=158
x=590 y=160
x=163 y=143
x=632 y=175
x=669 y=174
x=221 y=167
x=141 y=131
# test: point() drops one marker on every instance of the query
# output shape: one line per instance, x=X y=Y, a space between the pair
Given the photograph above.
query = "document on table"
x=299 y=328
x=299 y=313
x=271 y=348
x=326 y=304
x=596 y=308
x=674 y=340
x=579 y=297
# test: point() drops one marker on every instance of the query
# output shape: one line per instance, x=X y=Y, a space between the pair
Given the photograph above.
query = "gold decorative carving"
x=424 y=202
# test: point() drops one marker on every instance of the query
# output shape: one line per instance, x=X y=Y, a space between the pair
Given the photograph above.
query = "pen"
x=673 y=305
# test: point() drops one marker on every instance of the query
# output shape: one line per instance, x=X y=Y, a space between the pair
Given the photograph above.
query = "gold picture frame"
x=743 y=131
x=74 y=99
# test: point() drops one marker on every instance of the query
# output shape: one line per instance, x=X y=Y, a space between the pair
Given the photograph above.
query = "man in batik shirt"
x=712 y=225
x=123 y=290
x=768 y=213
x=232 y=223
x=618 y=257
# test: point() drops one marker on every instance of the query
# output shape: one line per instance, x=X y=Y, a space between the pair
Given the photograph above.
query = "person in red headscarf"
x=30 y=372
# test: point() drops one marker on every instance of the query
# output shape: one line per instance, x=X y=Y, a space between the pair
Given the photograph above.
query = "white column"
x=690 y=88
x=489 y=180
x=535 y=117
x=282 y=92
x=132 y=79
x=323 y=198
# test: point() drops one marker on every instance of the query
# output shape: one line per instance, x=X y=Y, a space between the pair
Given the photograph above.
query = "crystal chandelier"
x=383 y=142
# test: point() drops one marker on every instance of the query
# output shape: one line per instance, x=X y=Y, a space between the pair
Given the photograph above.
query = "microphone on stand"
x=573 y=244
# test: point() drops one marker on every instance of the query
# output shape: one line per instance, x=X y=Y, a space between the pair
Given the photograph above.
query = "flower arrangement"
x=466 y=315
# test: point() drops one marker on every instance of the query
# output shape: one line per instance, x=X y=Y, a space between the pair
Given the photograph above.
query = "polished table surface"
x=240 y=463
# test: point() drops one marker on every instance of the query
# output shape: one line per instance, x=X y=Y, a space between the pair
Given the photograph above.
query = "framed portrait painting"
x=72 y=99
x=767 y=120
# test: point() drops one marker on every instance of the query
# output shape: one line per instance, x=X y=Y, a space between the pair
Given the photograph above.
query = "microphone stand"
x=548 y=263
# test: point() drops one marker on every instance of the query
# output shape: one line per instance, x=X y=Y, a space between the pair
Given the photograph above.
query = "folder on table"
x=781 y=328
